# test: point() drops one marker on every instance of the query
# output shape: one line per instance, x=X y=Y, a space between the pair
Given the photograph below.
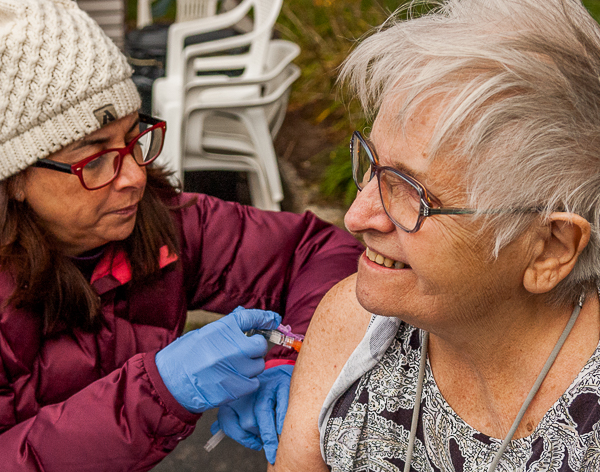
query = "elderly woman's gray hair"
x=520 y=85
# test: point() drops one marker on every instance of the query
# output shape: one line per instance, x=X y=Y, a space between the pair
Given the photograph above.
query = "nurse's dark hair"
x=48 y=282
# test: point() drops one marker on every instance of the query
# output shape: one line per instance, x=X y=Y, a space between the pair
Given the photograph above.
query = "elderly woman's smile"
x=384 y=261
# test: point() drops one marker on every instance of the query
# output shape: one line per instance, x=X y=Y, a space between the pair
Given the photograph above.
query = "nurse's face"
x=81 y=219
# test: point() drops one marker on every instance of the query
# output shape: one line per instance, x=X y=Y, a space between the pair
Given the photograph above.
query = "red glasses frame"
x=77 y=168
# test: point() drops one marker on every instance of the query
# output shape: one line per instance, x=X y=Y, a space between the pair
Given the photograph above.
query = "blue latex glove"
x=217 y=363
x=256 y=419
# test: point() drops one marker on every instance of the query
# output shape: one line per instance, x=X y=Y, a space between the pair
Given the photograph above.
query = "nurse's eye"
x=99 y=162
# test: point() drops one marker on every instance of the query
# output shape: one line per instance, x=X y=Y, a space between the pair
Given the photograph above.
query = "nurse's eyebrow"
x=92 y=142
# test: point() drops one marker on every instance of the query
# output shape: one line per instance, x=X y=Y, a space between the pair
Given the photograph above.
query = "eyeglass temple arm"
x=48 y=164
x=149 y=119
x=427 y=211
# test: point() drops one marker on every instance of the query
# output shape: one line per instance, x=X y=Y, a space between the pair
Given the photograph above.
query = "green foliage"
x=326 y=31
x=337 y=180
x=593 y=7
x=163 y=11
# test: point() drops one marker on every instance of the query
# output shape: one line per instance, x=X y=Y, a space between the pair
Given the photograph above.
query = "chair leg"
x=257 y=125
x=260 y=193
x=172 y=149
x=256 y=191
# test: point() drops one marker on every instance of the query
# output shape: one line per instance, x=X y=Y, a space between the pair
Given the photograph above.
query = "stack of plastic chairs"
x=225 y=99
x=191 y=9
x=186 y=10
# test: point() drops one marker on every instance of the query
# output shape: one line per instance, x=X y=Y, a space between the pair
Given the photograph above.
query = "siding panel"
x=110 y=15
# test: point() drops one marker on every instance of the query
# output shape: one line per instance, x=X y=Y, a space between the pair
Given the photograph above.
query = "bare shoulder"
x=337 y=327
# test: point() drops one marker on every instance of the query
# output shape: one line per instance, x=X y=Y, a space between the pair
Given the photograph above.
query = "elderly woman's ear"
x=555 y=251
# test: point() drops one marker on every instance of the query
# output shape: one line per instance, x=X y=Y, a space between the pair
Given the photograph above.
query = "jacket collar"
x=114 y=268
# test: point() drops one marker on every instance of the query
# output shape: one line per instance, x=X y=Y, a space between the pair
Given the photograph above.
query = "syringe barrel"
x=277 y=337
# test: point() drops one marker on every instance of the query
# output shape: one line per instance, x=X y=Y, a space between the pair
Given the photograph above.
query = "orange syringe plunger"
x=292 y=343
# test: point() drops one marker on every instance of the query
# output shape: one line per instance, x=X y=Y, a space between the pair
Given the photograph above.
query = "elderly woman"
x=468 y=339
x=101 y=258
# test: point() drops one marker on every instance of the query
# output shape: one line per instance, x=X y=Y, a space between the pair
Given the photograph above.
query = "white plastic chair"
x=199 y=79
x=237 y=134
x=186 y=10
x=179 y=54
x=247 y=90
x=191 y=9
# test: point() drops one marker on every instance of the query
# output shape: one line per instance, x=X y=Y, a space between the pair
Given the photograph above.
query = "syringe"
x=277 y=337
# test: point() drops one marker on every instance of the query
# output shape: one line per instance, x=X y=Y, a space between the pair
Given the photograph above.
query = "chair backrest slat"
x=180 y=54
x=191 y=9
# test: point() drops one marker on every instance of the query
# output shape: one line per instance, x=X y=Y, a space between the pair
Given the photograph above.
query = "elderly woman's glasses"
x=406 y=202
x=102 y=168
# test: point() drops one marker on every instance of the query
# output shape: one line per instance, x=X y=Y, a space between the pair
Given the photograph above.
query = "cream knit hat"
x=61 y=78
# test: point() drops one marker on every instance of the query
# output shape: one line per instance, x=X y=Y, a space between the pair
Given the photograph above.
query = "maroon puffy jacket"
x=90 y=402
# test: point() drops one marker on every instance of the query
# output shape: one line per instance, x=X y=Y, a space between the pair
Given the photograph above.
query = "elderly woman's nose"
x=367 y=212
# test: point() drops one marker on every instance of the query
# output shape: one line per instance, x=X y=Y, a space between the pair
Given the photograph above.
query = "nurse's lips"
x=384 y=261
x=130 y=210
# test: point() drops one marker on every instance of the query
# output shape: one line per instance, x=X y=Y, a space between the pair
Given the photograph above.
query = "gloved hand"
x=256 y=419
x=217 y=363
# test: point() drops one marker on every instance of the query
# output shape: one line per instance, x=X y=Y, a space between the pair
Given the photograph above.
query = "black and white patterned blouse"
x=366 y=427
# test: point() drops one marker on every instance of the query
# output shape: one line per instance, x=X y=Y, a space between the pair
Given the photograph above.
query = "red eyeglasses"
x=102 y=168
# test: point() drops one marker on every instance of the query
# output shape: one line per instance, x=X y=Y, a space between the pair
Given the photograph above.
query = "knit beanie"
x=61 y=78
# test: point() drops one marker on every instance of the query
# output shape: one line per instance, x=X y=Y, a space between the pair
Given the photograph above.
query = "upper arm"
x=236 y=255
x=338 y=326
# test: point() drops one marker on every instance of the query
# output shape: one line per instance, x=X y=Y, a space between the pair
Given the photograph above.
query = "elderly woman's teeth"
x=384 y=261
